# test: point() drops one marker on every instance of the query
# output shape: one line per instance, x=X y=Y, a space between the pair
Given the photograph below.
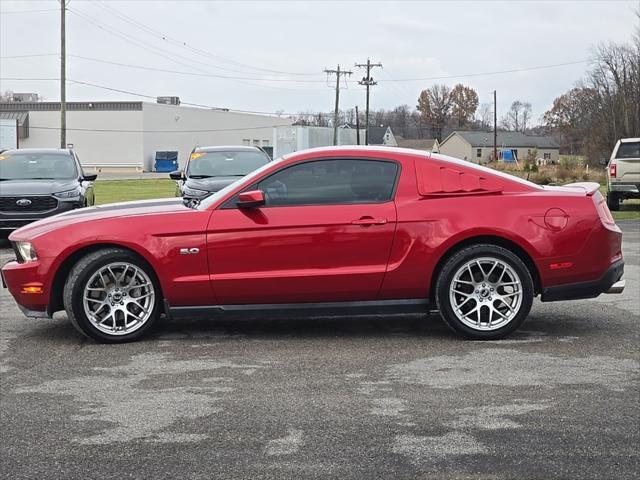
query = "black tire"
x=613 y=201
x=446 y=277
x=79 y=276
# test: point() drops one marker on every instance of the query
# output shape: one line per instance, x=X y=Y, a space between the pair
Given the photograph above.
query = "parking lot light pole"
x=495 y=127
x=63 y=76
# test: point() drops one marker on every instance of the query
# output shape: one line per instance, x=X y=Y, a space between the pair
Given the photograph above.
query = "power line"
x=156 y=50
x=184 y=44
x=146 y=46
x=115 y=130
x=142 y=95
x=32 y=55
x=130 y=39
x=13 y=12
x=497 y=72
x=194 y=74
x=387 y=80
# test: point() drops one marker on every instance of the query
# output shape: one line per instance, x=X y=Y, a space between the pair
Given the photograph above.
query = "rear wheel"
x=613 y=201
x=112 y=296
x=484 y=292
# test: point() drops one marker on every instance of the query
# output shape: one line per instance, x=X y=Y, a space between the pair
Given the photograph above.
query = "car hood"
x=19 y=188
x=210 y=184
x=102 y=212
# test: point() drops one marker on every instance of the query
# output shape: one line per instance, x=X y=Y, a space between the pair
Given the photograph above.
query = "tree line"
x=602 y=107
x=586 y=120
x=440 y=109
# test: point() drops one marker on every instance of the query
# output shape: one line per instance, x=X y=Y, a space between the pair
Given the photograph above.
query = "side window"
x=331 y=182
x=79 y=164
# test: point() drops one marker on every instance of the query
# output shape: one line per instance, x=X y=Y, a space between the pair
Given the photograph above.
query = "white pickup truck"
x=623 y=172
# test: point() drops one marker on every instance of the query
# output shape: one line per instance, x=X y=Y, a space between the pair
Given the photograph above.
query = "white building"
x=127 y=135
x=294 y=138
x=478 y=146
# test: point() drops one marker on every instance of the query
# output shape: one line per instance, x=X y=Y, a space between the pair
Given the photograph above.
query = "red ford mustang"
x=321 y=231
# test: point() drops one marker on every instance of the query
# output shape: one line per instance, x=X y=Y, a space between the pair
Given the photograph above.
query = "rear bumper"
x=610 y=282
x=626 y=188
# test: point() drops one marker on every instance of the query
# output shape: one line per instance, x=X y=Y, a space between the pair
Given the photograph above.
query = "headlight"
x=26 y=252
x=68 y=193
x=194 y=192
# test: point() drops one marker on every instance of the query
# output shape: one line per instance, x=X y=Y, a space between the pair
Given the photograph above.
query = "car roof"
x=229 y=148
x=629 y=140
x=50 y=151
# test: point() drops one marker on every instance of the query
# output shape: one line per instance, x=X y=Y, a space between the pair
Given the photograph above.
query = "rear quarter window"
x=628 y=150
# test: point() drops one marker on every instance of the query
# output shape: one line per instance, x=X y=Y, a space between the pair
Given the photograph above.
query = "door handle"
x=367 y=221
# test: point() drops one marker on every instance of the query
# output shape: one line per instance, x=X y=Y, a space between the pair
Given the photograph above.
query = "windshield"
x=40 y=166
x=225 y=164
x=211 y=199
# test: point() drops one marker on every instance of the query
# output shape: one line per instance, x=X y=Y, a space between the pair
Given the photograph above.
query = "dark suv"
x=37 y=183
x=210 y=169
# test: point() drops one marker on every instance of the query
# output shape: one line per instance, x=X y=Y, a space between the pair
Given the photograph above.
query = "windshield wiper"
x=200 y=176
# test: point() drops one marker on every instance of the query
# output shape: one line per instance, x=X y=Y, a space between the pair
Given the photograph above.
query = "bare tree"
x=518 y=117
x=606 y=105
x=401 y=119
x=485 y=116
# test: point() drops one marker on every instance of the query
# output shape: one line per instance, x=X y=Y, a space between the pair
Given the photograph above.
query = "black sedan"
x=212 y=168
x=37 y=183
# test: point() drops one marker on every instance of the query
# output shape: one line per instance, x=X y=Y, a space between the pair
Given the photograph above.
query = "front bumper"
x=610 y=282
x=16 y=276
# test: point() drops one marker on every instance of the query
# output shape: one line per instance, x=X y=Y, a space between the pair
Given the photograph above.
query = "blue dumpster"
x=166 y=161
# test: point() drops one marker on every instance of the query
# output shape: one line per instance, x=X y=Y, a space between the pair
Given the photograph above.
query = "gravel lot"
x=357 y=397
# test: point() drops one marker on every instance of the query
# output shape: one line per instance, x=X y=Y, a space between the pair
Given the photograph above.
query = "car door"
x=324 y=234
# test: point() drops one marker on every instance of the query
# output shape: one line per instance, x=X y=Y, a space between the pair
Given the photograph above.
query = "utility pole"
x=338 y=73
x=63 y=76
x=357 y=126
x=495 y=128
x=368 y=82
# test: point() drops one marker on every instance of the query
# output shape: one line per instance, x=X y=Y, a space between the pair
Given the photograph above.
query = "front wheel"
x=112 y=296
x=484 y=292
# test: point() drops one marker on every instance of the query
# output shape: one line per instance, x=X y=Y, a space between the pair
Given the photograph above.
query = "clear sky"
x=277 y=50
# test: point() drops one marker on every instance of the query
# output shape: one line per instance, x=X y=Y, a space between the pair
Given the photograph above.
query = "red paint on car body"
x=323 y=253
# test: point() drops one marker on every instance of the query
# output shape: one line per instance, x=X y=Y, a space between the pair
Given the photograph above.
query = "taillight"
x=603 y=211
x=613 y=169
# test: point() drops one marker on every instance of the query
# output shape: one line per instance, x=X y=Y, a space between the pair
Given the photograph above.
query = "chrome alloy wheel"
x=486 y=293
x=119 y=298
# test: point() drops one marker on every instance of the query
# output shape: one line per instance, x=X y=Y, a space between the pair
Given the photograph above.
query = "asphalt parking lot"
x=358 y=397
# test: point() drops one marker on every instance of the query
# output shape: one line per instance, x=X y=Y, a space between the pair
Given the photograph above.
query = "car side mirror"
x=603 y=161
x=176 y=175
x=251 y=199
x=90 y=177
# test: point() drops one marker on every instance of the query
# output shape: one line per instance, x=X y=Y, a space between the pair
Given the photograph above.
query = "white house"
x=127 y=135
x=478 y=146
